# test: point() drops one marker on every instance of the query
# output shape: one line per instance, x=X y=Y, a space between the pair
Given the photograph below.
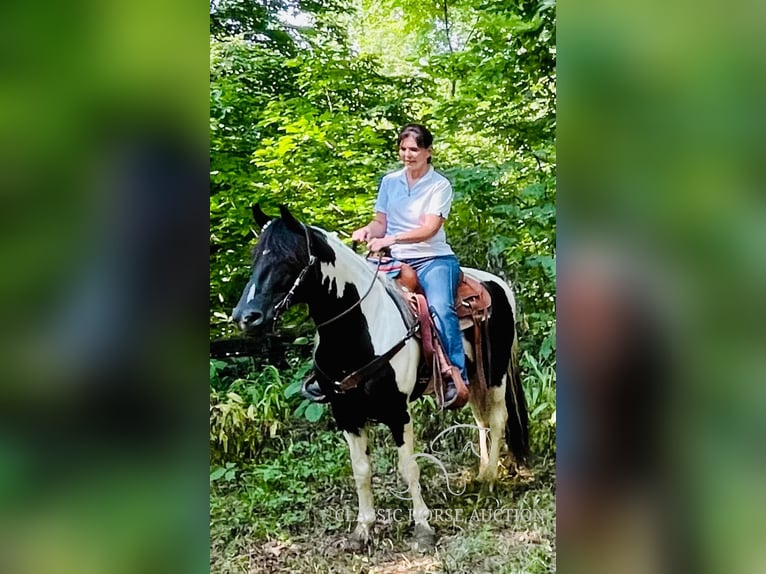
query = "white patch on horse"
x=377 y=306
x=405 y=365
x=251 y=293
x=468 y=349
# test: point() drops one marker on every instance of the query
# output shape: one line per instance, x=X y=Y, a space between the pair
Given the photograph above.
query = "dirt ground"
x=455 y=553
x=509 y=529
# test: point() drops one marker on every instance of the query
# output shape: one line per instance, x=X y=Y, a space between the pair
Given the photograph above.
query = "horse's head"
x=281 y=259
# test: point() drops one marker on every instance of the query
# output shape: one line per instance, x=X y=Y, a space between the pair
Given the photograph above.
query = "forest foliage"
x=306 y=99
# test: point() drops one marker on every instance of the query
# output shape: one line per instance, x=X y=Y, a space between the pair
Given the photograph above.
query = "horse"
x=359 y=324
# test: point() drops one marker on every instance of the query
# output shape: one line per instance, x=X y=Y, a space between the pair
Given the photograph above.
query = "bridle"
x=282 y=306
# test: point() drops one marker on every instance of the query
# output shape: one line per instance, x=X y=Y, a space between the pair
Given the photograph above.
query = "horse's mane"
x=287 y=245
x=349 y=255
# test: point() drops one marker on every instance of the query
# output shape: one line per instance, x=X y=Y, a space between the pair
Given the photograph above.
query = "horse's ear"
x=260 y=218
x=288 y=218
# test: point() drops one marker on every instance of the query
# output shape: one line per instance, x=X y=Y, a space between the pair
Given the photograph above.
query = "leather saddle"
x=472 y=298
x=473 y=305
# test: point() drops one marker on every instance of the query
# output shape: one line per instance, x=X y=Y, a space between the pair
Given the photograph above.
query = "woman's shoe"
x=455 y=395
x=450 y=394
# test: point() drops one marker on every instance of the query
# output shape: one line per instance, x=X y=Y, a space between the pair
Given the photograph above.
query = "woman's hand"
x=380 y=243
x=361 y=234
x=375 y=228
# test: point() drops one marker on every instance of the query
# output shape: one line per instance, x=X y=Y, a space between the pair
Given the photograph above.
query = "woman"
x=410 y=211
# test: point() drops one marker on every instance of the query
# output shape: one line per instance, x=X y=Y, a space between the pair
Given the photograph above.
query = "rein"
x=362 y=298
x=352 y=380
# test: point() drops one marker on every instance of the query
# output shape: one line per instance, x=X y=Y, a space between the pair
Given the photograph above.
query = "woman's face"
x=413 y=157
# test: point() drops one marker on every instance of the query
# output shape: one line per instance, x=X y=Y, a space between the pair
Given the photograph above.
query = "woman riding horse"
x=361 y=329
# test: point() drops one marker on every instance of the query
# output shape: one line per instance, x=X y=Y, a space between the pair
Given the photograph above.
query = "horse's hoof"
x=424 y=540
x=485 y=478
x=358 y=541
x=487 y=475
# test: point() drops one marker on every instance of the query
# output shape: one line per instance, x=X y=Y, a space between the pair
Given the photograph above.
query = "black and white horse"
x=358 y=320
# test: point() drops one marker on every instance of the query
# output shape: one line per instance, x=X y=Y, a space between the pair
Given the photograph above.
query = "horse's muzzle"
x=248 y=320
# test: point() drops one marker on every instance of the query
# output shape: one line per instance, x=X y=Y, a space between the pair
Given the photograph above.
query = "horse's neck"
x=348 y=274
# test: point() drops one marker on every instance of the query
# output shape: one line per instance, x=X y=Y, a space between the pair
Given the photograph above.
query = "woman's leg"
x=439 y=277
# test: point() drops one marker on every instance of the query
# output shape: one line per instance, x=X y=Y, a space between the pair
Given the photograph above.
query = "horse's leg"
x=476 y=408
x=425 y=537
x=360 y=464
x=480 y=419
x=498 y=416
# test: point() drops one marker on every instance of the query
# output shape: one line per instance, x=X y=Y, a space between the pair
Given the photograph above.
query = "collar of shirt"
x=426 y=177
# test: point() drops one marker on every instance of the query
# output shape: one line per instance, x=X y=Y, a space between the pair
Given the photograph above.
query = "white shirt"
x=406 y=208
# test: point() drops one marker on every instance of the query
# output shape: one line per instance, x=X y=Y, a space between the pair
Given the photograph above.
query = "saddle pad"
x=388 y=265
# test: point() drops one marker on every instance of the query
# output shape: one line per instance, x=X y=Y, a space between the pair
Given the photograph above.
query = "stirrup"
x=455 y=396
x=311 y=390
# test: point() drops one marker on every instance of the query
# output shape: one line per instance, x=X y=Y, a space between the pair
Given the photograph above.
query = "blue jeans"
x=438 y=277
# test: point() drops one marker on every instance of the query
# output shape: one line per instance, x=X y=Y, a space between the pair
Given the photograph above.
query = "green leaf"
x=540 y=408
x=217 y=473
x=314 y=412
x=293 y=388
x=549 y=343
x=302 y=408
x=534 y=191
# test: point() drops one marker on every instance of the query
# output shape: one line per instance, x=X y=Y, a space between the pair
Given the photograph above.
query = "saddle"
x=473 y=305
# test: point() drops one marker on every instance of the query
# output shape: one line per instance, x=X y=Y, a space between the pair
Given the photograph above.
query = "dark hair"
x=420 y=133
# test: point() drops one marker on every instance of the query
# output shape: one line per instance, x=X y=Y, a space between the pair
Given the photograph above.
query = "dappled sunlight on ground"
x=509 y=528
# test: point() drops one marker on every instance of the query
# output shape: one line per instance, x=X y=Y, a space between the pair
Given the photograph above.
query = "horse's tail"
x=516 y=429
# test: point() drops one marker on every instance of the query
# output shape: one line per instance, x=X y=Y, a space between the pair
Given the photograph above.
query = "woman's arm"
x=375 y=228
x=431 y=224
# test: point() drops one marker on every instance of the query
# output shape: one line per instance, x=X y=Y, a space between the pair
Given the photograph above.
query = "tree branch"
x=446 y=27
